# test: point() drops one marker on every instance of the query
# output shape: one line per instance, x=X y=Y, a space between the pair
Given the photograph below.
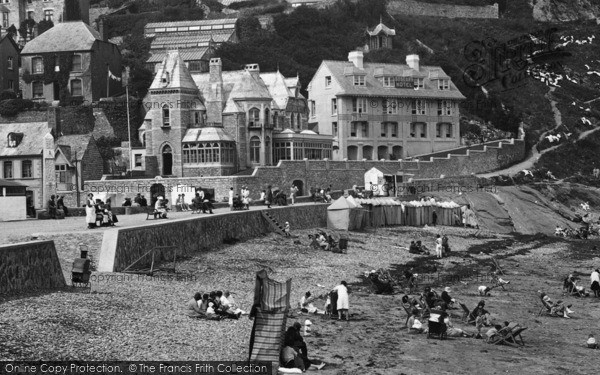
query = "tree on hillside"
x=44 y=26
x=248 y=28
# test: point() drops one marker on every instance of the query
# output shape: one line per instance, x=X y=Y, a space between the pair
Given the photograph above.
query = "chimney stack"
x=356 y=58
x=413 y=62
x=253 y=69
x=101 y=29
x=215 y=70
x=76 y=10
x=214 y=97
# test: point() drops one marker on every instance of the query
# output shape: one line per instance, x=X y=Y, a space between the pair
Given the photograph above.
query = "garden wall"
x=122 y=247
x=31 y=266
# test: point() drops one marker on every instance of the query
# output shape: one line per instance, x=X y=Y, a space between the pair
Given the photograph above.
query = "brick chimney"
x=101 y=29
x=413 y=62
x=356 y=58
x=53 y=115
x=253 y=69
x=83 y=7
x=214 y=99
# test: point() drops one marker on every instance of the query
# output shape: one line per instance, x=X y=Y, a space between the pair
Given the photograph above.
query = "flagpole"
x=107 y=80
x=128 y=121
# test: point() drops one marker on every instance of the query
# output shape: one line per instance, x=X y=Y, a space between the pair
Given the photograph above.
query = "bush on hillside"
x=12 y=107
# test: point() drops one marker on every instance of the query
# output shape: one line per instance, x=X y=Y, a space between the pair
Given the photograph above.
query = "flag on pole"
x=112 y=76
x=125 y=76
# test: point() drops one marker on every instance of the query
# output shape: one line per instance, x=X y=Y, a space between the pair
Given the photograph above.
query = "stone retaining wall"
x=31 y=266
x=419 y=8
x=122 y=247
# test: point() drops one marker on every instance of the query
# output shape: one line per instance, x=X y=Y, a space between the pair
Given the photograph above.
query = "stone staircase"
x=278 y=228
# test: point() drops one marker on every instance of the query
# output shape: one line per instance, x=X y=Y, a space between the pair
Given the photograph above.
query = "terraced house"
x=379 y=111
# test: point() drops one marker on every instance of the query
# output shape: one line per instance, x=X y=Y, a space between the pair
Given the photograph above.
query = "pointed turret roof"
x=173 y=74
x=381 y=28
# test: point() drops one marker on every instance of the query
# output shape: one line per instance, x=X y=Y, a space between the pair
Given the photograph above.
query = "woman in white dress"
x=90 y=211
x=342 y=300
x=438 y=246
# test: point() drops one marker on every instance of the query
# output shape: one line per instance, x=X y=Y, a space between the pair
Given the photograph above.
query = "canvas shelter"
x=383 y=181
x=13 y=200
x=388 y=211
x=345 y=213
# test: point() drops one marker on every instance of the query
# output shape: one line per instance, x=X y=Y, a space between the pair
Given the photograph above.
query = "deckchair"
x=499 y=339
x=546 y=309
x=514 y=335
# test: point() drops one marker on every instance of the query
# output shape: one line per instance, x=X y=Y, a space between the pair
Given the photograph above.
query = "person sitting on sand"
x=480 y=314
x=591 y=342
x=448 y=300
x=493 y=332
x=414 y=325
x=192 y=308
x=413 y=248
x=294 y=339
x=484 y=290
x=411 y=301
x=314 y=244
x=451 y=330
x=306 y=303
x=559 y=308
x=430 y=297
x=422 y=248
x=291 y=359
x=322 y=239
x=203 y=303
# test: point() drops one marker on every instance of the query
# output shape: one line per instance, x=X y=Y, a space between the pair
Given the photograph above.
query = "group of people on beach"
x=215 y=305
x=442 y=247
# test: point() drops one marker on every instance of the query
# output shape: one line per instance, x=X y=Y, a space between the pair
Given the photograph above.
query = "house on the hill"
x=379 y=111
x=95 y=64
x=9 y=64
x=219 y=123
x=195 y=40
x=14 y=12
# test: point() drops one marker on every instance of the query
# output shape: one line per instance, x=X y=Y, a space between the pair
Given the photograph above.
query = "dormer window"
x=165 y=78
x=14 y=139
x=359 y=80
x=418 y=83
x=388 y=81
x=443 y=84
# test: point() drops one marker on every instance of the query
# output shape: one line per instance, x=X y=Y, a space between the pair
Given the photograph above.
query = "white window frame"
x=444 y=108
x=419 y=107
x=359 y=80
x=327 y=81
x=418 y=83
x=10 y=62
x=443 y=84
x=334 y=108
x=359 y=105
x=388 y=81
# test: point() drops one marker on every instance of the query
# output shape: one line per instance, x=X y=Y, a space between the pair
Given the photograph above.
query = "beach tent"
x=382 y=181
x=359 y=216
x=338 y=214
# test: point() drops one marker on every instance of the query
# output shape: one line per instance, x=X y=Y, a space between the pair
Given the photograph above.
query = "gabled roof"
x=249 y=85
x=64 y=37
x=208 y=134
x=173 y=74
x=374 y=87
x=381 y=28
x=278 y=88
x=32 y=142
x=74 y=146
x=339 y=204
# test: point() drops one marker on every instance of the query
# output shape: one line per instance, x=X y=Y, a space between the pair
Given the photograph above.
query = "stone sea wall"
x=31 y=266
x=122 y=247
